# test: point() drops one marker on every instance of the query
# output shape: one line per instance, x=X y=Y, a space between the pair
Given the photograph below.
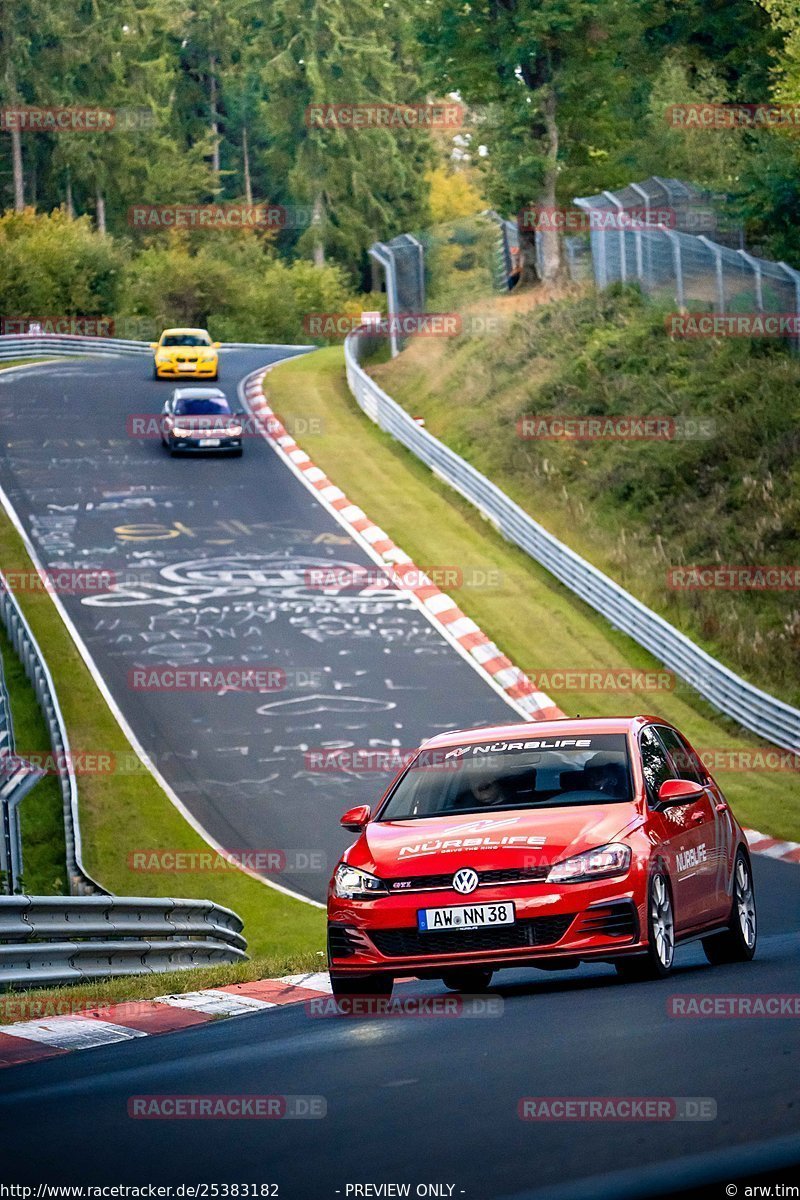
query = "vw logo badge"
x=465 y=881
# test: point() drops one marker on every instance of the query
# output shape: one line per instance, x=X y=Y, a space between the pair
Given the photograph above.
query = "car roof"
x=185 y=329
x=199 y=393
x=530 y=730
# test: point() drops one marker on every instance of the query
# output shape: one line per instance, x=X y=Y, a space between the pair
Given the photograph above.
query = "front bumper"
x=172 y=370
x=582 y=921
x=201 y=445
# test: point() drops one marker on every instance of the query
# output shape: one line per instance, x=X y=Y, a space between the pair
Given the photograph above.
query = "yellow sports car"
x=185 y=354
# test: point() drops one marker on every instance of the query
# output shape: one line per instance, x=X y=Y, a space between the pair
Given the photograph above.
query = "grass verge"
x=41 y=1003
x=122 y=812
x=538 y=623
x=724 y=490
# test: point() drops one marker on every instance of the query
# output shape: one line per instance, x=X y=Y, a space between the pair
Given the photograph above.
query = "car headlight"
x=613 y=859
x=179 y=432
x=352 y=884
x=234 y=431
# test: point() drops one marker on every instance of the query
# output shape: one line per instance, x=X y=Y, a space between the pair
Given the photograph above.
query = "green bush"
x=51 y=265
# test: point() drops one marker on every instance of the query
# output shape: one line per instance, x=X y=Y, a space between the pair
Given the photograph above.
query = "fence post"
x=717 y=253
x=678 y=264
x=638 y=233
x=623 y=266
x=420 y=268
x=755 y=267
x=795 y=277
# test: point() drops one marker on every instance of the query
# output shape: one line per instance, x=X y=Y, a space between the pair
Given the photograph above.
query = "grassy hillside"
x=636 y=509
x=538 y=623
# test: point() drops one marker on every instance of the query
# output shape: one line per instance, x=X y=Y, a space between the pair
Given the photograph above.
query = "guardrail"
x=27 y=648
x=66 y=939
x=35 y=345
x=757 y=711
x=32 y=345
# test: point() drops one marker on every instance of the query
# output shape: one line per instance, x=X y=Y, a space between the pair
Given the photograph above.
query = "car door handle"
x=698 y=816
x=721 y=807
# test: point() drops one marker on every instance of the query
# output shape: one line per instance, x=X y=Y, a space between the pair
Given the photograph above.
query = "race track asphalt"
x=212 y=559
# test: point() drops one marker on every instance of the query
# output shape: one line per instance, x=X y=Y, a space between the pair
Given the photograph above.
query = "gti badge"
x=465 y=881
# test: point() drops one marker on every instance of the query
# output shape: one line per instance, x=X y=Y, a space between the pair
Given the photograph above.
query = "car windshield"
x=185 y=339
x=201 y=406
x=535 y=773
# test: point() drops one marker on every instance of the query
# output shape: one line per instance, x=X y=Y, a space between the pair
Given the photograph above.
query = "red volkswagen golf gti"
x=540 y=845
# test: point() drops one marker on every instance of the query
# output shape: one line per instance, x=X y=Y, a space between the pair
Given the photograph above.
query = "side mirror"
x=356 y=818
x=154 y=346
x=678 y=791
x=217 y=345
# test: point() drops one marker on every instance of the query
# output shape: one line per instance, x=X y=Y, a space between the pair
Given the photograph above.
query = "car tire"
x=656 y=963
x=351 y=987
x=155 y=373
x=470 y=980
x=738 y=943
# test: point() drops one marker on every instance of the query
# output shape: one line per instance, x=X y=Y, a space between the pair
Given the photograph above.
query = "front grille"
x=444 y=881
x=616 y=920
x=409 y=943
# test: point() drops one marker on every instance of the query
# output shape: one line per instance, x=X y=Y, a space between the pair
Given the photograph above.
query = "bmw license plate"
x=211 y=441
x=187 y=366
x=469 y=916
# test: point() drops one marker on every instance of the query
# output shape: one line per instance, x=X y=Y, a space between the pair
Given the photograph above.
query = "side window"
x=656 y=766
x=685 y=760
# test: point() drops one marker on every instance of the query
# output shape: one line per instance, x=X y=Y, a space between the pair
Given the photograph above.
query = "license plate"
x=212 y=441
x=187 y=367
x=468 y=916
